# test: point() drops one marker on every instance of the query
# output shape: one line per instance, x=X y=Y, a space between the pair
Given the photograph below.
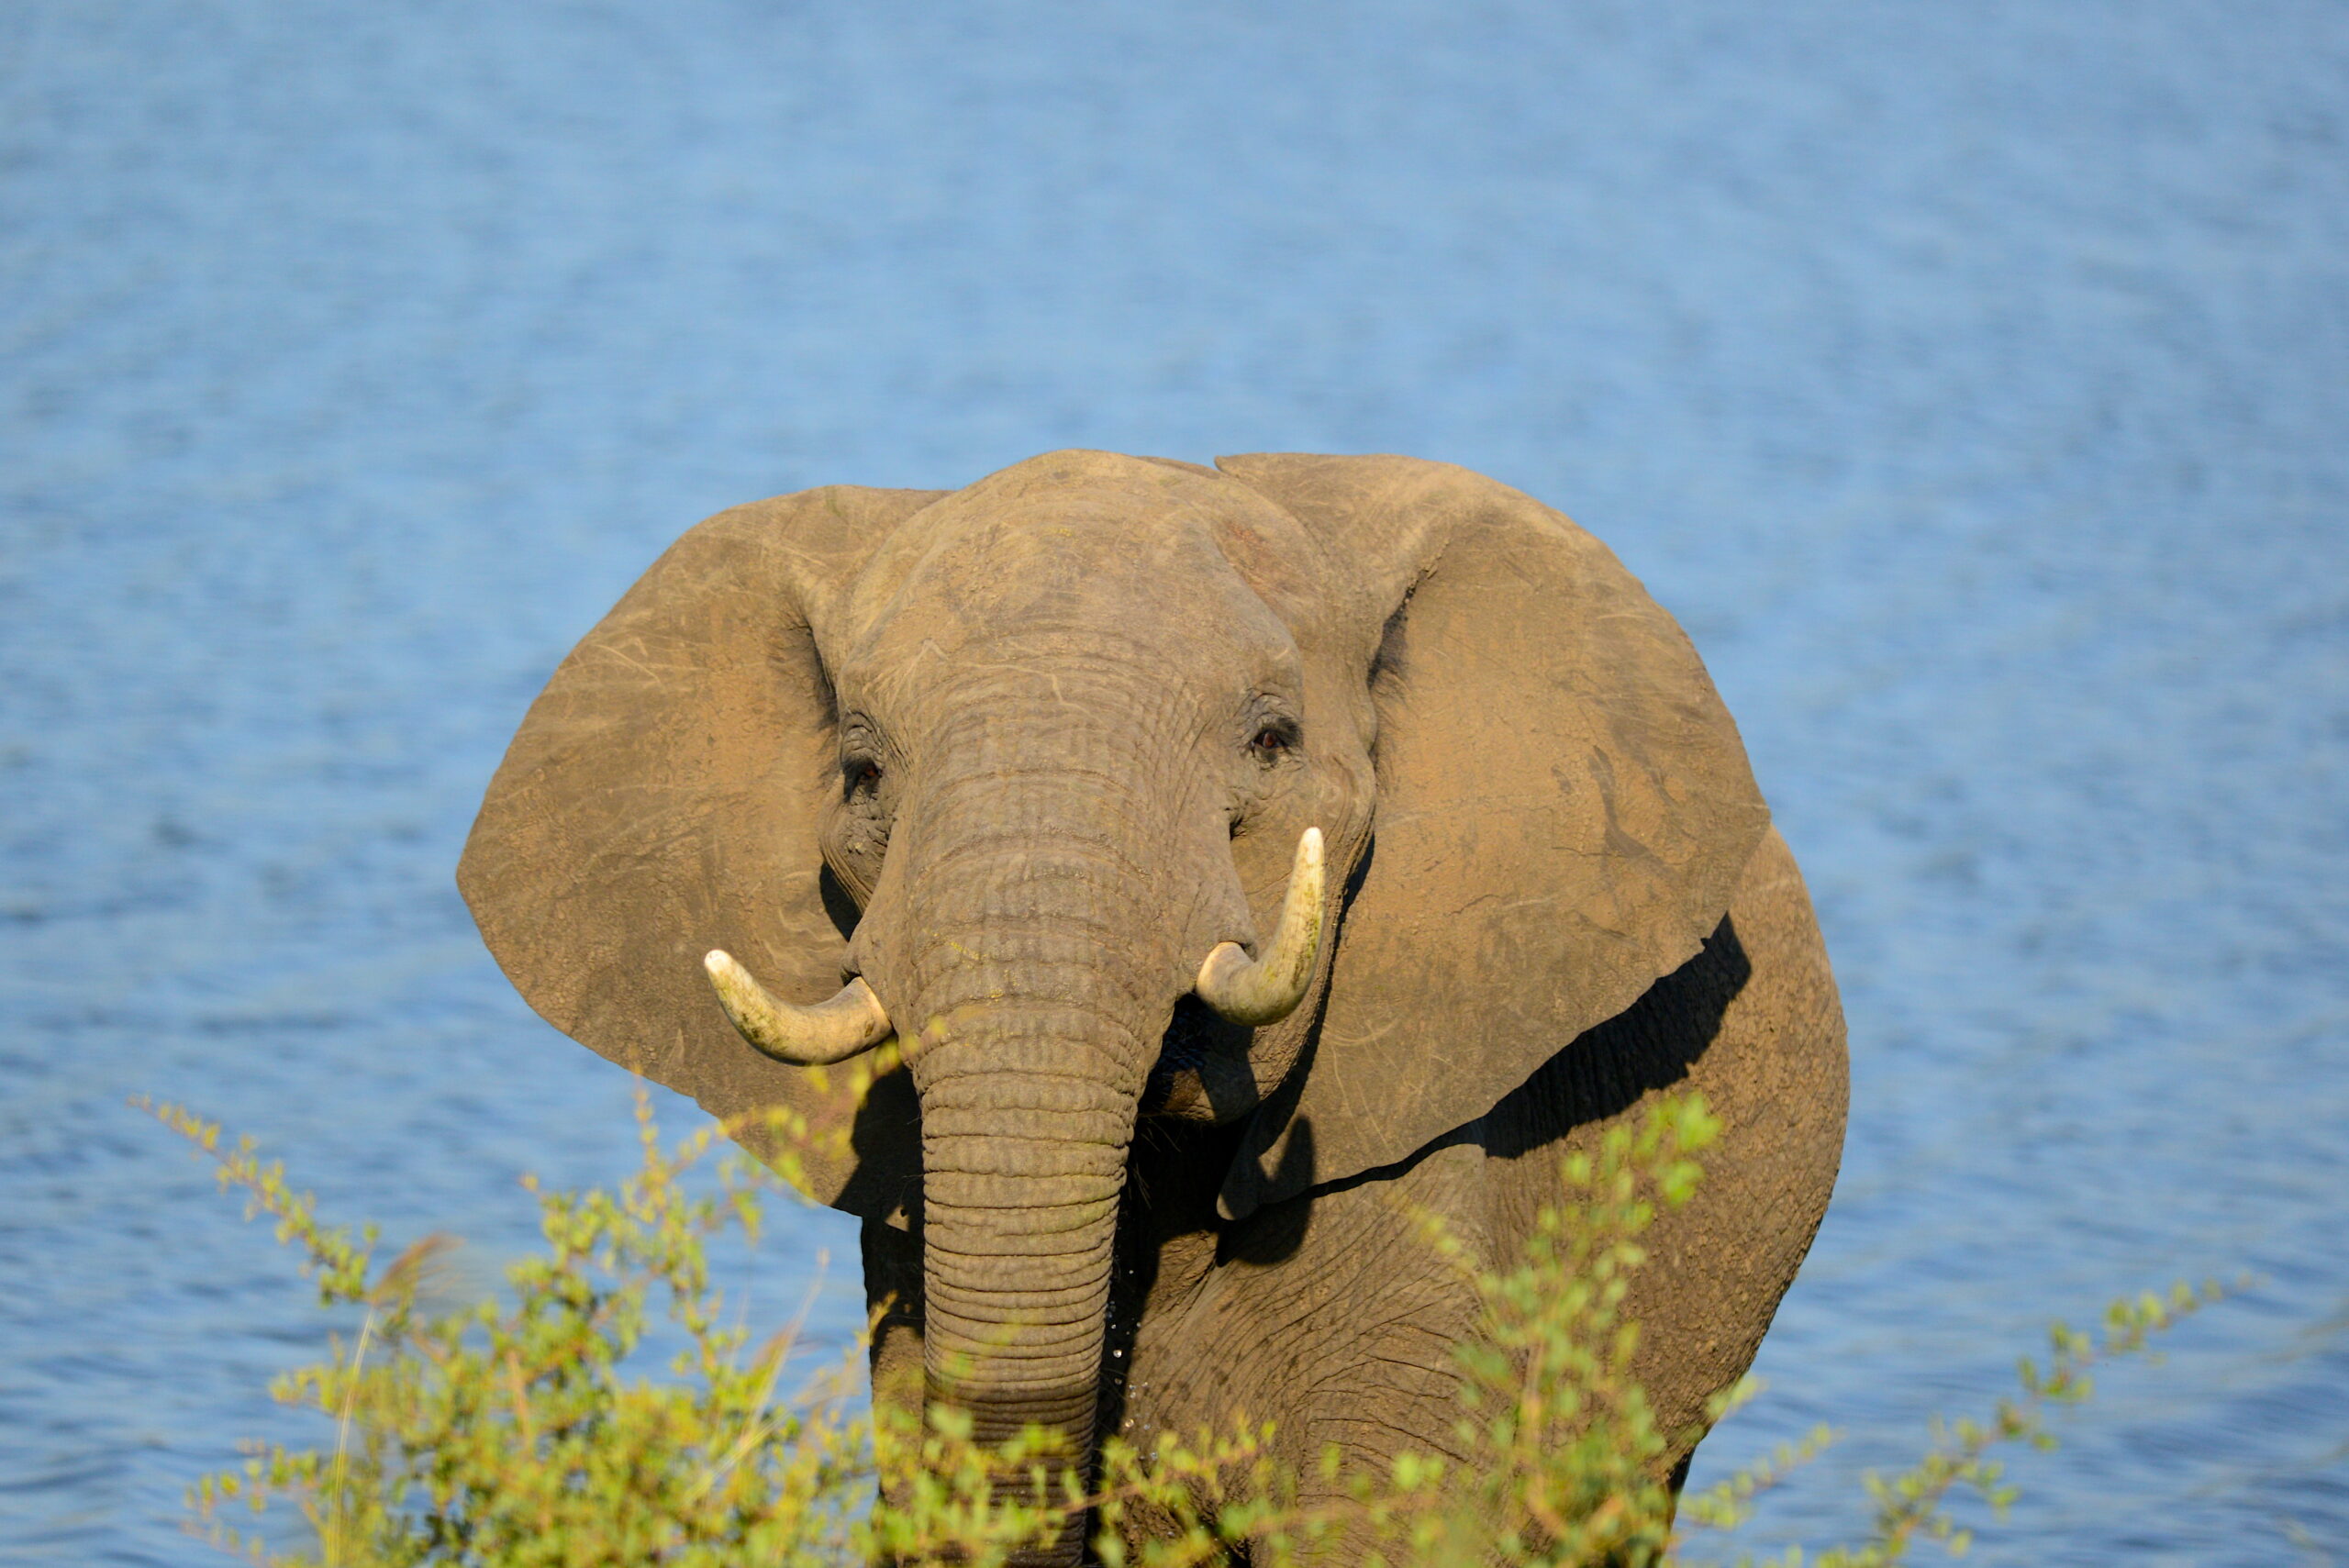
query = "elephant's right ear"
x=661 y=799
x=1563 y=807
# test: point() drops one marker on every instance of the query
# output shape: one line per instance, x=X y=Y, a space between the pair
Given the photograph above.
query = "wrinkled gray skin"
x=1021 y=754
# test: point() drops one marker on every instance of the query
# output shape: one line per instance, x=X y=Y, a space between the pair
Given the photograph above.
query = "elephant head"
x=1025 y=770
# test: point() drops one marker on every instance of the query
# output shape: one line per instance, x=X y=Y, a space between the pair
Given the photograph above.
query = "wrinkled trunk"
x=1018 y=1228
x=1033 y=960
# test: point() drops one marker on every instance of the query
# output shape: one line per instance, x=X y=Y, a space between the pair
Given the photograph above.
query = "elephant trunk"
x=1044 y=978
x=1017 y=1235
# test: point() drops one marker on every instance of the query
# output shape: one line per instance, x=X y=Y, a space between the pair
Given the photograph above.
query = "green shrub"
x=513 y=1433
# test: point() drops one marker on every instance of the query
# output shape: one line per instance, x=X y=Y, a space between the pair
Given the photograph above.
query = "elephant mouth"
x=1197 y=1054
x=1241 y=990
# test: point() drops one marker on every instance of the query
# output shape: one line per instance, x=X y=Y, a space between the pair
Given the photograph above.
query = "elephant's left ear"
x=661 y=799
x=1563 y=807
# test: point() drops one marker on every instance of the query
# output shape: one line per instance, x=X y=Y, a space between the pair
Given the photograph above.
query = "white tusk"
x=1267 y=990
x=805 y=1037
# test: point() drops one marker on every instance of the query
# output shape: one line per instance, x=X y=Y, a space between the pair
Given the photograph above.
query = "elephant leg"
x=1750 y=1022
x=1331 y=1316
x=893 y=1305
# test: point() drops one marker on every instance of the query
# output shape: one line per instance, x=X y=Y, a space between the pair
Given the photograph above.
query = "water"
x=1972 y=379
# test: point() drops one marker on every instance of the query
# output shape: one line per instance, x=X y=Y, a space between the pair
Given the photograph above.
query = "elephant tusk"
x=805 y=1037
x=1267 y=990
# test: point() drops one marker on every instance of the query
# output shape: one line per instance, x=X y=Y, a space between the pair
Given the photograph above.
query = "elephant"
x=1243 y=858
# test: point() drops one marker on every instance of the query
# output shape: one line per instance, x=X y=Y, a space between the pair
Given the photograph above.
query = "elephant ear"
x=1564 y=809
x=661 y=799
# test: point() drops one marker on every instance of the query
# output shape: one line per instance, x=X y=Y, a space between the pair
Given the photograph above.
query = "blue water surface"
x=1972 y=379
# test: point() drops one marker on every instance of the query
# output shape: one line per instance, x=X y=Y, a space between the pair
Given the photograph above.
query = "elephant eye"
x=861 y=773
x=1274 y=739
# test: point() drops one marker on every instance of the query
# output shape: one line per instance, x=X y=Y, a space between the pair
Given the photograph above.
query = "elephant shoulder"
x=1752 y=1021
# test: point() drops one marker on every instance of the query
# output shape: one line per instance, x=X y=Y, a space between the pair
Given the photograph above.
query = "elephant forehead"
x=1130 y=552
